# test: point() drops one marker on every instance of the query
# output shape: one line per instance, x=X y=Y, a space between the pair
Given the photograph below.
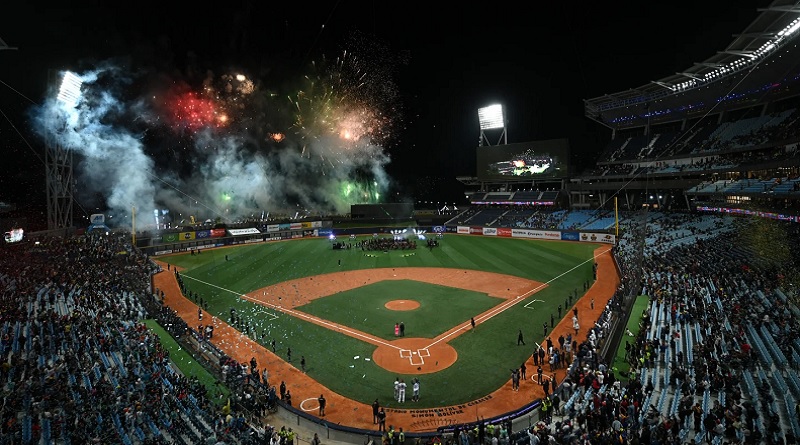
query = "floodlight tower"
x=492 y=118
x=58 y=161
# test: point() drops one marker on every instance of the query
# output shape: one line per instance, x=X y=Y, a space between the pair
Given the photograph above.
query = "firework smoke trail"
x=110 y=157
x=228 y=147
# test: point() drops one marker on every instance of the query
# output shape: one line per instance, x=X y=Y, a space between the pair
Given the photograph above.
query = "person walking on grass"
x=520 y=340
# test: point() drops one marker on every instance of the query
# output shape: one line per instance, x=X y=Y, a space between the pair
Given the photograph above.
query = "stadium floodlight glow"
x=491 y=117
x=70 y=91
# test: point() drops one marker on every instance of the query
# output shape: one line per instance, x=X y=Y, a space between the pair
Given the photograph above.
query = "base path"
x=404 y=355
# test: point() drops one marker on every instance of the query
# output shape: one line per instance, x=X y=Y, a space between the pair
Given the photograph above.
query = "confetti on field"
x=367 y=359
x=356 y=357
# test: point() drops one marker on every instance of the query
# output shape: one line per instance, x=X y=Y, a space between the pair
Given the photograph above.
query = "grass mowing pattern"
x=189 y=366
x=364 y=308
x=485 y=357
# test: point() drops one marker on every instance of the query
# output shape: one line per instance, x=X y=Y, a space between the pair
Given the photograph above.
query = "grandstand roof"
x=700 y=86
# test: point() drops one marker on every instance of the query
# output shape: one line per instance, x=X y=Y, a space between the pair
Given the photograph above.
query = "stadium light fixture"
x=491 y=117
x=70 y=91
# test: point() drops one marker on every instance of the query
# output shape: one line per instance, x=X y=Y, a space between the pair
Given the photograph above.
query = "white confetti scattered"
x=367 y=359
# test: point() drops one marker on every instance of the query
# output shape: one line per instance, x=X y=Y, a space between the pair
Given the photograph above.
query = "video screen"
x=538 y=159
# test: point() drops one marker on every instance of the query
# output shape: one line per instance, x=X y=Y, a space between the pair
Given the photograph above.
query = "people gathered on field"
x=385 y=244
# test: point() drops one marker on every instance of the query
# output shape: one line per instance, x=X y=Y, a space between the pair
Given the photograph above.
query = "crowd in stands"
x=716 y=358
x=724 y=145
x=79 y=366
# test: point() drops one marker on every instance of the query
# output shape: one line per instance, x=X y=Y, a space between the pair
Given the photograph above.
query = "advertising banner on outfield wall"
x=536 y=234
x=552 y=234
x=325 y=232
x=201 y=234
x=217 y=233
x=570 y=236
x=305 y=225
x=295 y=226
x=490 y=231
x=284 y=226
x=598 y=237
x=476 y=230
x=316 y=224
x=170 y=238
x=273 y=227
x=503 y=231
x=462 y=229
x=249 y=231
x=186 y=236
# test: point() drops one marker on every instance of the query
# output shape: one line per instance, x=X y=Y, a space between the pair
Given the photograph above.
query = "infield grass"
x=485 y=357
x=364 y=307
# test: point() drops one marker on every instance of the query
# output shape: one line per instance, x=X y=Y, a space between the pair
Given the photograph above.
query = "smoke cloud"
x=228 y=148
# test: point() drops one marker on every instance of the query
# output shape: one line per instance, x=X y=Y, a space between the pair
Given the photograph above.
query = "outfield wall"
x=560 y=235
x=204 y=239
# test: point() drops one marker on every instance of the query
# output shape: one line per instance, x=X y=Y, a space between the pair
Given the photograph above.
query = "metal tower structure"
x=58 y=162
x=58 y=159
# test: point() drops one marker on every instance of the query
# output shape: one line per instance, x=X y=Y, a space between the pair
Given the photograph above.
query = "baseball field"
x=338 y=309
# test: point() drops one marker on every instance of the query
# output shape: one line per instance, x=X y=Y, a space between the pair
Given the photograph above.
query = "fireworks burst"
x=226 y=146
x=192 y=112
x=351 y=97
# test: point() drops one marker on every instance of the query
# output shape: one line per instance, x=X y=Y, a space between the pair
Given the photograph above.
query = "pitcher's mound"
x=402 y=305
x=411 y=356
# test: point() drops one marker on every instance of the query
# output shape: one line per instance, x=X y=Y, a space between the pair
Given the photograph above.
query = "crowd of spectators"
x=709 y=365
x=78 y=364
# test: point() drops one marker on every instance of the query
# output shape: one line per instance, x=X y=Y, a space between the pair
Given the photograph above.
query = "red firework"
x=193 y=112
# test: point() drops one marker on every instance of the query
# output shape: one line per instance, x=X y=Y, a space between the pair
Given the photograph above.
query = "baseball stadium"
x=214 y=271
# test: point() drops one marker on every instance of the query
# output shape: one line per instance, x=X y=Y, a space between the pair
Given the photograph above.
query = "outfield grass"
x=484 y=359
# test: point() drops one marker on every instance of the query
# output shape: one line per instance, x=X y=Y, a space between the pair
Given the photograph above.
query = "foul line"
x=298 y=314
x=274 y=317
x=510 y=303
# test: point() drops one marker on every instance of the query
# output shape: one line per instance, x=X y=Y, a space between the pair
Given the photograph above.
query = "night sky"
x=539 y=59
